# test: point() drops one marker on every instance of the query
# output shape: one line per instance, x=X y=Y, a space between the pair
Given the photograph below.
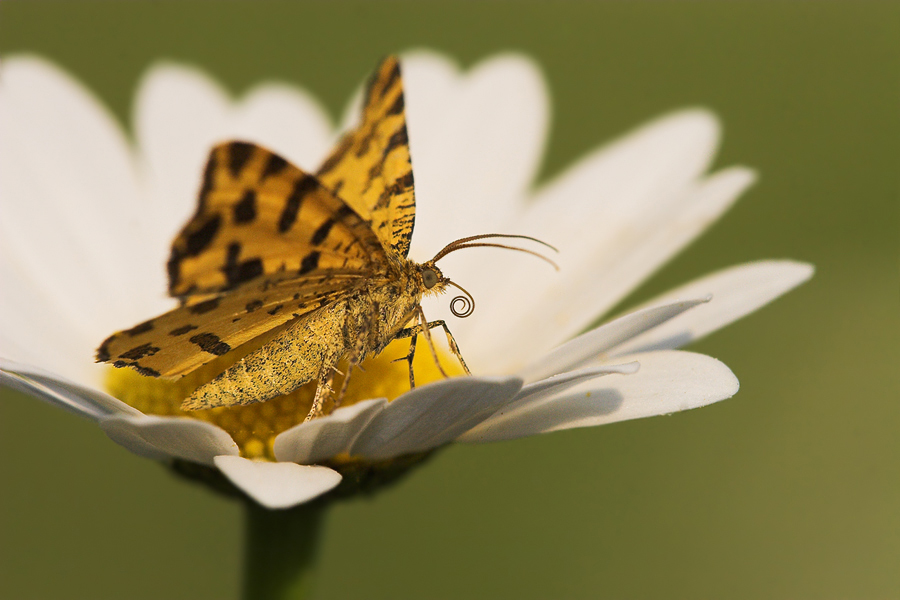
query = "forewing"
x=371 y=170
x=259 y=217
x=189 y=336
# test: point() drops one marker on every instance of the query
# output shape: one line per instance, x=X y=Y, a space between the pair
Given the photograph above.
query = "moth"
x=320 y=260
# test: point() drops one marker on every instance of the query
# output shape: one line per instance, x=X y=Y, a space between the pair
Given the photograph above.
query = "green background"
x=789 y=490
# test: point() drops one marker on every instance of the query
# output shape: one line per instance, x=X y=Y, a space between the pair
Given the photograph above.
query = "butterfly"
x=316 y=262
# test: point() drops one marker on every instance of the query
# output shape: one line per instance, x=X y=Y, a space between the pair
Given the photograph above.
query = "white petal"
x=592 y=344
x=288 y=121
x=322 y=438
x=179 y=437
x=668 y=381
x=33 y=330
x=476 y=139
x=38 y=390
x=433 y=415
x=68 y=212
x=277 y=485
x=536 y=393
x=599 y=277
x=61 y=392
x=736 y=292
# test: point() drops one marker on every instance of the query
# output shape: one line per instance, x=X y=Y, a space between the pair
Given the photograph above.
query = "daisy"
x=88 y=215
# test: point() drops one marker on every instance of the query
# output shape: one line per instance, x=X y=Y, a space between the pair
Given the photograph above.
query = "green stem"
x=280 y=551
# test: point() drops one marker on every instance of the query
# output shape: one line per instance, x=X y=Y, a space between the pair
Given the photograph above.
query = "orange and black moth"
x=317 y=263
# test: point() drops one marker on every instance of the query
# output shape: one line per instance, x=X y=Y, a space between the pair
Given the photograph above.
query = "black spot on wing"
x=182 y=330
x=145 y=371
x=274 y=165
x=364 y=144
x=205 y=306
x=173 y=268
x=245 y=209
x=392 y=77
x=400 y=185
x=237 y=272
x=397 y=107
x=140 y=352
x=302 y=187
x=275 y=309
x=103 y=351
x=201 y=237
x=238 y=155
x=309 y=263
x=400 y=138
x=254 y=305
x=244 y=271
x=322 y=232
x=406 y=181
x=211 y=343
x=140 y=328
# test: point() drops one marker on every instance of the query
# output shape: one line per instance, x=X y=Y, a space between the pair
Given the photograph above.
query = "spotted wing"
x=267 y=244
x=371 y=170
x=261 y=218
x=179 y=341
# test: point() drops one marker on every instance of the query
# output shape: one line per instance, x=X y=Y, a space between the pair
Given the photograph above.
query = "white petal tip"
x=179 y=437
x=277 y=485
x=628 y=368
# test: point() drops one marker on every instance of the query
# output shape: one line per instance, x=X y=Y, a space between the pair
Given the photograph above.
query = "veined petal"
x=432 y=415
x=595 y=280
x=277 y=485
x=736 y=292
x=668 y=381
x=322 y=438
x=179 y=437
x=81 y=400
x=476 y=138
x=535 y=393
x=595 y=342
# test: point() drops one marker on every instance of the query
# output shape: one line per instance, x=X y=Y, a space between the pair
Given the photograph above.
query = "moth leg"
x=340 y=396
x=354 y=360
x=326 y=376
x=451 y=341
x=413 y=336
x=415 y=330
x=426 y=331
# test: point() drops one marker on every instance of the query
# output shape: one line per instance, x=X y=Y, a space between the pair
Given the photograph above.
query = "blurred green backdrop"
x=789 y=490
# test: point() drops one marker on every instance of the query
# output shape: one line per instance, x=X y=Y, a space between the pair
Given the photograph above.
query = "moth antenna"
x=462 y=243
x=468 y=302
x=490 y=245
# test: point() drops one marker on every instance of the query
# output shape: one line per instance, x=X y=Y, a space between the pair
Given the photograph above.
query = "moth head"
x=434 y=281
x=432 y=277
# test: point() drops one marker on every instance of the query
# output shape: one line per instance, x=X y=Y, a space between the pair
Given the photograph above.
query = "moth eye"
x=429 y=278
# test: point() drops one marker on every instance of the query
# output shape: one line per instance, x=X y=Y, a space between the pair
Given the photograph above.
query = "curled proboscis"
x=467 y=302
x=468 y=307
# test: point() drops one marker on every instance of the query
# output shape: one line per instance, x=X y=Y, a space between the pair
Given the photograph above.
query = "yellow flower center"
x=255 y=426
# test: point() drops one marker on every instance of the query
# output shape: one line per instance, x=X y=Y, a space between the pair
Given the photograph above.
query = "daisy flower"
x=88 y=214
